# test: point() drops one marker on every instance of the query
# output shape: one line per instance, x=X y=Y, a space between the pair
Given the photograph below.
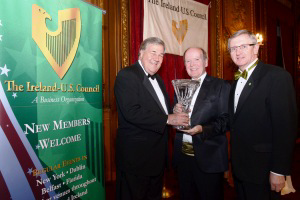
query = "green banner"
x=51 y=137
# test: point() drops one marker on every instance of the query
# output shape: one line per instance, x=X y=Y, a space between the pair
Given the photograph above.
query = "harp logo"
x=59 y=47
x=181 y=31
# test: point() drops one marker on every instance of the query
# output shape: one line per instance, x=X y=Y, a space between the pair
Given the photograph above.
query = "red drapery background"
x=172 y=66
x=287 y=26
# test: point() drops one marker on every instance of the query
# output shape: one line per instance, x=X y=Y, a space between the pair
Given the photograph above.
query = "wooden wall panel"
x=237 y=15
x=112 y=53
x=216 y=33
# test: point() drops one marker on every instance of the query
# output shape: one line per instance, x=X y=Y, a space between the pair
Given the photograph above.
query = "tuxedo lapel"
x=146 y=82
x=231 y=99
x=150 y=88
x=202 y=94
x=164 y=91
x=245 y=93
x=248 y=88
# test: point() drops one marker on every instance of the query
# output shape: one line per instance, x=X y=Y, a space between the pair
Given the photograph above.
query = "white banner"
x=179 y=23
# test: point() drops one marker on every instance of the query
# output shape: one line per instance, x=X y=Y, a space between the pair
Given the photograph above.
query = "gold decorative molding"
x=298 y=65
x=239 y=14
x=101 y=4
x=125 y=32
x=265 y=29
x=218 y=28
x=235 y=15
x=253 y=24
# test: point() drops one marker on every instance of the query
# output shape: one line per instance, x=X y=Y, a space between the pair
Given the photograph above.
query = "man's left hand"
x=277 y=182
x=195 y=130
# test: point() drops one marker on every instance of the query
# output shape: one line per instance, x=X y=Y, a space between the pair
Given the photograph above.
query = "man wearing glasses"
x=263 y=121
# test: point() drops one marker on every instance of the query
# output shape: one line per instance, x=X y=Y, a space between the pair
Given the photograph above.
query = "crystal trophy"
x=184 y=90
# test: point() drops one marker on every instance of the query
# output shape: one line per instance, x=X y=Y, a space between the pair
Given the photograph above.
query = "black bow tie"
x=152 y=76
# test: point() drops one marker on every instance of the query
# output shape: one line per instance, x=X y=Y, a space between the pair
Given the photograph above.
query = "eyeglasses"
x=241 y=47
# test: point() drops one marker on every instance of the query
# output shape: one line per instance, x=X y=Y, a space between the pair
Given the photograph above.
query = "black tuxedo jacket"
x=210 y=111
x=264 y=126
x=141 y=144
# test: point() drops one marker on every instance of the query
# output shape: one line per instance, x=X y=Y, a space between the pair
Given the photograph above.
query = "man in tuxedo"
x=263 y=121
x=201 y=154
x=143 y=114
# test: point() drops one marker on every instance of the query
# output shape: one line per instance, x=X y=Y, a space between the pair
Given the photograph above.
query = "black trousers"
x=251 y=191
x=133 y=187
x=196 y=184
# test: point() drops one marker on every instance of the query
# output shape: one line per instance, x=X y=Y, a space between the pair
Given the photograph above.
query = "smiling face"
x=152 y=58
x=243 y=57
x=195 y=63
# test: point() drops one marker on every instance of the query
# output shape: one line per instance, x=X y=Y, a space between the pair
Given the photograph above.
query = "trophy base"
x=180 y=128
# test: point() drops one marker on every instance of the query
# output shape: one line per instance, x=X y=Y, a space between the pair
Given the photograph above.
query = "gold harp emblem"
x=59 y=47
x=181 y=31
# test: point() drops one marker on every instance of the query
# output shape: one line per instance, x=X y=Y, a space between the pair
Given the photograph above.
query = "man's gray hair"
x=243 y=32
x=151 y=40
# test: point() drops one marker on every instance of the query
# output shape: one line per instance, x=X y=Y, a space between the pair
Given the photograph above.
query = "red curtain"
x=287 y=44
x=288 y=47
x=271 y=41
x=172 y=66
x=282 y=15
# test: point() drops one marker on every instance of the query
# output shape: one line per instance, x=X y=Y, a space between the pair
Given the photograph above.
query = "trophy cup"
x=184 y=90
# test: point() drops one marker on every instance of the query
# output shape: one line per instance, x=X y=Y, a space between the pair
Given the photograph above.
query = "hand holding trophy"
x=184 y=90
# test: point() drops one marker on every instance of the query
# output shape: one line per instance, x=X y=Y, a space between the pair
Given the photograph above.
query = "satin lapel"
x=144 y=79
x=231 y=99
x=150 y=88
x=202 y=94
x=164 y=91
x=248 y=88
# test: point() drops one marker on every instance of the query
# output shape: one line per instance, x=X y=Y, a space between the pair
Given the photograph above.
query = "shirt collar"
x=201 y=78
x=142 y=67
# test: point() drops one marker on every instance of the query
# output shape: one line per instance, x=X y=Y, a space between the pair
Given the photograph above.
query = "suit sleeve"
x=219 y=125
x=131 y=106
x=283 y=110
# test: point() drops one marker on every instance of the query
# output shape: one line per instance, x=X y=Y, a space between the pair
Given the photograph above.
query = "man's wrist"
x=276 y=173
